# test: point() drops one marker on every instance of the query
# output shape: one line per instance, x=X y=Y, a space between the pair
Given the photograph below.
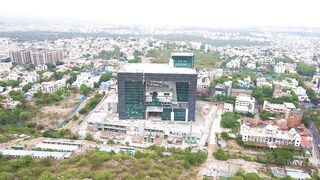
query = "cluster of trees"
x=137 y=58
x=242 y=175
x=278 y=156
x=305 y=69
x=63 y=133
x=109 y=54
x=266 y=94
x=85 y=90
x=91 y=104
x=48 y=98
x=17 y=120
x=230 y=120
x=310 y=116
x=103 y=78
x=181 y=164
x=265 y=115
x=13 y=83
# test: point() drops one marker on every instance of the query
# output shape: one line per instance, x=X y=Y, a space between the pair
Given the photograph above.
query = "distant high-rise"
x=36 y=57
x=21 y=57
x=45 y=56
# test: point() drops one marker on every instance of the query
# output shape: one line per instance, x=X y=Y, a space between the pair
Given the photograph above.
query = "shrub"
x=220 y=155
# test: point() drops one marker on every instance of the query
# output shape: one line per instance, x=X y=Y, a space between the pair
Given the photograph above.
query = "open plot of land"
x=49 y=116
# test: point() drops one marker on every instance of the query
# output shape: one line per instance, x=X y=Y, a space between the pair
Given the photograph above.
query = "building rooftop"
x=41 y=154
x=58 y=147
x=155 y=68
x=245 y=98
x=181 y=54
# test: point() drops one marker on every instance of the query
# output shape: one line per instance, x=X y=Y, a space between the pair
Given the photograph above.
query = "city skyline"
x=203 y=13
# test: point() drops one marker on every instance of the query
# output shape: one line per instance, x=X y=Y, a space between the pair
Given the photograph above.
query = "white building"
x=35 y=154
x=251 y=65
x=301 y=93
x=262 y=82
x=270 y=135
x=5 y=67
x=227 y=107
x=280 y=68
x=233 y=64
x=41 y=67
x=52 y=86
x=245 y=104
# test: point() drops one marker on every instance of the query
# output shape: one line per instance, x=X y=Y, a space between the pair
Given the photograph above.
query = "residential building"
x=36 y=56
x=223 y=89
x=46 y=56
x=301 y=93
x=21 y=57
x=245 y=104
x=262 y=82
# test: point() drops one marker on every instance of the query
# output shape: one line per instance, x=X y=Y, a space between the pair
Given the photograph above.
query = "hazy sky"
x=210 y=13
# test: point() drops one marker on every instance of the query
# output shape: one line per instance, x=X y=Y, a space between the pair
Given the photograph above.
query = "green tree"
x=85 y=90
x=251 y=176
x=264 y=115
x=26 y=87
x=306 y=70
x=51 y=67
x=220 y=155
x=230 y=120
x=225 y=135
x=47 y=175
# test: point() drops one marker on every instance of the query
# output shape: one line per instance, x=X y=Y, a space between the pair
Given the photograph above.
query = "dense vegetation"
x=48 y=98
x=230 y=120
x=220 y=155
x=306 y=70
x=17 y=120
x=91 y=104
x=159 y=56
x=206 y=60
x=152 y=163
x=109 y=54
x=278 y=157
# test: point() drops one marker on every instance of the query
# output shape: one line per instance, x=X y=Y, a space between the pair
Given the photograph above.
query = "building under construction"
x=158 y=91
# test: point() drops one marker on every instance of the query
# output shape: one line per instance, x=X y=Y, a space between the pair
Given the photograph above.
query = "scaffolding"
x=134 y=99
x=182 y=91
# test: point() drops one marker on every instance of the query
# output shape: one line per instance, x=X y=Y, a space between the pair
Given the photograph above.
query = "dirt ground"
x=50 y=115
x=233 y=144
x=145 y=60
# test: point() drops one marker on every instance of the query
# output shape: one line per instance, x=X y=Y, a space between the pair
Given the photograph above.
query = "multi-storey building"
x=245 y=104
x=46 y=56
x=21 y=57
x=161 y=91
x=36 y=57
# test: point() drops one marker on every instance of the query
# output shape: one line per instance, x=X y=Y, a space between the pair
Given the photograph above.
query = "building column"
x=187 y=115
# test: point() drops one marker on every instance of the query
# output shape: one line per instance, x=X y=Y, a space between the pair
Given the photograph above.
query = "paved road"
x=82 y=128
x=316 y=139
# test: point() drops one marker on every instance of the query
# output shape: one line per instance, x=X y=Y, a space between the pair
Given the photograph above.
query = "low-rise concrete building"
x=245 y=104
x=270 y=135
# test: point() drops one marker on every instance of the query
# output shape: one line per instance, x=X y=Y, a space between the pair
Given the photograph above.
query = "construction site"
x=154 y=104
